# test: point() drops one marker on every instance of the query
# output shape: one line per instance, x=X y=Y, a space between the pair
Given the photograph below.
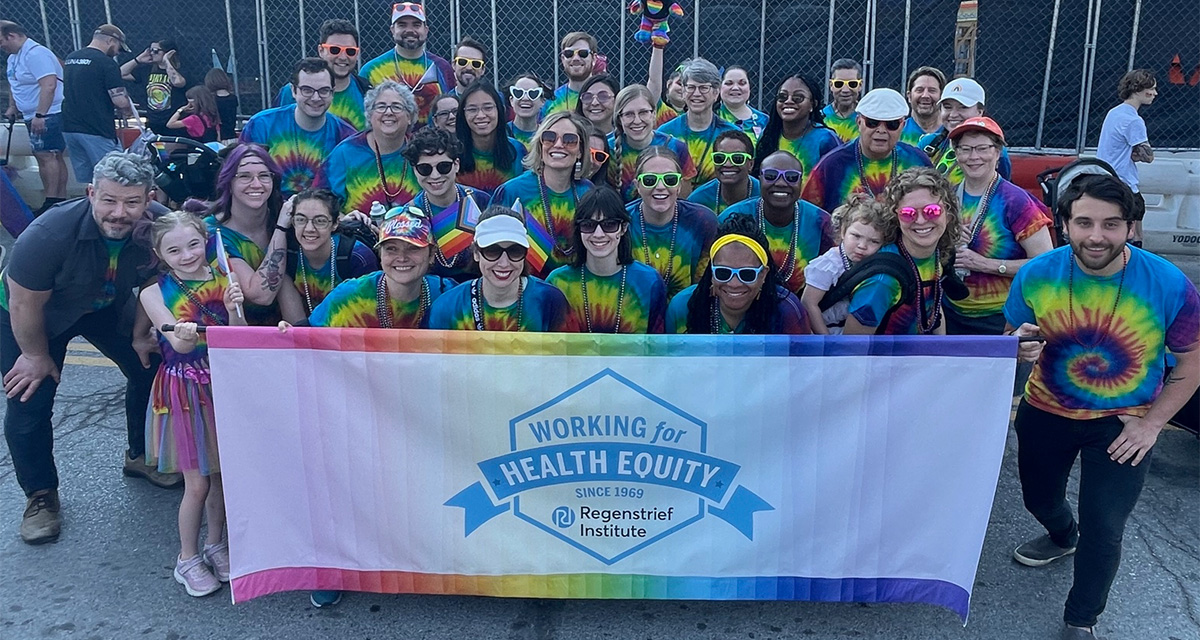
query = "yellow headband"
x=739 y=238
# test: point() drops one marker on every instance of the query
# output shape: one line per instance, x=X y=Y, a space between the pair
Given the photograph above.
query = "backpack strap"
x=889 y=264
x=361 y=83
x=341 y=261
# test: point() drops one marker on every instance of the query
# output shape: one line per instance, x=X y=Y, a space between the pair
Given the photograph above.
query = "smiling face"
x=954 y=113
x=601 y=244
x=502 y=272
x=436 y=184
x=845 y=97
x=735 y=88
x=410 y=33
x=921 y=236
x=465 y=61
x=878 y=141
x=660 y=198
x=675 y=90
x=252 y=184
x=481 y=113
x=312 y=222
x=342 y=64
x=729 y=173
x=445 y=114
x=116 y=206
x=561 y=156
x=404 y=263
x=797 y=103
x=182 y=249
x=924 y=96
x=1098 y=232
x=597 y=104
x=527 y=107
x=579 y=68
x=595 y=144
x=637 y=120
x=861 y=240
x=736 y=296
x=388 y=117
x=779 y=193
x=700 y=96
x=978 y=154
x=316 y=105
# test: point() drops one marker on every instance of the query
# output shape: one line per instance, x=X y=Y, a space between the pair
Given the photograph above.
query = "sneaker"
x=1040 y=552
x=194 y=575
x=325 y=598
x=41 y=522
x=1076 y=633
x=137 y=468
x=217 y=558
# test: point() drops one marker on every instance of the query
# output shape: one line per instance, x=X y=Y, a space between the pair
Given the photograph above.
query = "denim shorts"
x=51 y=139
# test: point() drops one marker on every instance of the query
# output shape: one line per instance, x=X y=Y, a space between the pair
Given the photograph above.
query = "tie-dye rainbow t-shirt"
x=838 y=174
x=428 y=76
x=629 y=156
x=1012 y=216
x=682 y=267
x=353 y=304
x=299 y=153
x=1102 y=361
x=550 y=242
x=565 y=98
x=912 y=133
x=347 y=104
x=664 y=113
x=211 y=295
x=810 y=147
x=814 y=237
x=108 y=291
x=352 y=173
x=752 y=126
x=643 y=306
x=521 y=135
x=454 y=242
x=699 y=143
x=315 y=282
x=846 y=128
x=947 y=163
x=871 y=300
x=487 y=175
x=790 y=317
x=709 y=195
x=242 y=248
x=542 y=308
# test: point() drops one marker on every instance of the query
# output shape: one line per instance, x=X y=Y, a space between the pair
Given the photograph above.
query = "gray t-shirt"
x=1123 y=130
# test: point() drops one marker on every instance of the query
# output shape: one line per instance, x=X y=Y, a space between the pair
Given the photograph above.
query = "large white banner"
x=552 y=465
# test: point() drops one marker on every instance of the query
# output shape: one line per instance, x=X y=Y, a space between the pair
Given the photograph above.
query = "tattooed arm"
x=1143 y=153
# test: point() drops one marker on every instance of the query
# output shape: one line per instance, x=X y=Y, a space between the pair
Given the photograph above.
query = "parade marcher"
x=922 y=226
x=300 y=136
x=35 y=86
x=578 y=58
x=872 y=161
x=181 y=435
x=739 y=292
x=669 y=233
x=699 y=127
x=490 y=158
x=605 y=171
x=339 y=47
x=436 y=155
x=199 y=117
x=221 y=86
x=550 y=190
x=369 y=166
x=608 y=291
x=924 y=92
x=797 y=125
x=1124 y=141
x=846 y=85
x=92 y=87
x=733 y=156
x=962 y=98
x=1109 y=312
x=735 y=92
x=797 y=232
x=860 y=227
x=157 y=70
x=596 y=98
x=409 y=62
x=504 y=297
x=469 y=64
x=70 y=274
x=634 y=131
x=444 y=113
x=1002 y=228
x=526 y=94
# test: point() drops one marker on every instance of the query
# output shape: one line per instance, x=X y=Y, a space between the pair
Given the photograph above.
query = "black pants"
x=27 y=425
x=1047 y=446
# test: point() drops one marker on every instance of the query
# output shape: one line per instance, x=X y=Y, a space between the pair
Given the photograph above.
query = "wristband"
x=39 y=115
x=282 y=228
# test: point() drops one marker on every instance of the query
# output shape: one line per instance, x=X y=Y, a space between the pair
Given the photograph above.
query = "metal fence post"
x=554 y=43
x=1133 y=38
x=357 y=23
x=107 y=12
x=45 y=23
x=829 y=49
x=1037 y=142
x=73 y=12
x=621 y=13
x=696 y=29
x=495 y=50
x=264 y=67
x=1089 y=69
x=904 y=56
x=237 y=90
x=762 y=52
x=303 y=40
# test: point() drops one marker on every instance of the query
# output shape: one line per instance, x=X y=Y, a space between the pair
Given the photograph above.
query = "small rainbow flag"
x=470 y=214
x=451 y=237
x=541 y=242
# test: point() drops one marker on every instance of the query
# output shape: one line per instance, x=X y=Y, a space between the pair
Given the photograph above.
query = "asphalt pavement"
x=109 y=576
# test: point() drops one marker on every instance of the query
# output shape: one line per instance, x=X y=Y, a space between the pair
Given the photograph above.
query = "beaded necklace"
x=671 y=251
x=791 y=259
x=437 y=249
x=383 y=305
x=721 y=202
x=480 y=316
x=981 y=210
x=846 y=264
x=862 y=170
x=400 y=76
x=587 y=307
x=333 y=276
x=195 y=300
x=926 y=323
x=388 y=195
x=714 y=318
x=548 y=217
x=1111 y=316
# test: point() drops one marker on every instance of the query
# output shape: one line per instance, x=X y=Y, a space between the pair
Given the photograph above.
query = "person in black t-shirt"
x=157 y=68
x=220 y=84
x=91 y=88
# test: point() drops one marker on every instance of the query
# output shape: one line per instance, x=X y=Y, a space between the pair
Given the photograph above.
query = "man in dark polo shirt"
x=72 y=273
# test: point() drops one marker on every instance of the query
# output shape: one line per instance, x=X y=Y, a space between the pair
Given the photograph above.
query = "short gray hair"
x=845 y=63
x=701 y=71
x=406 y=98
x=126 y=169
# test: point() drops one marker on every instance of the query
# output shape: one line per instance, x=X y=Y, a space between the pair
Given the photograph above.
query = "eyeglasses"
x=463 y=61
x=839 y=84
x=337 y=50
x=797 y=97
x=931 y=211
x=426 y=169
x=640 y=114
x=702 y=89
x=607 y=225
x=892 y=125
x=583 y=54
x=157 y=50
x=388 y=108
x=471 y=112
x=320 y=223
x=977 y=149
x=748 y=275
x=737 y=158
x=569 y=140
x=247 y=178
x=515 y=252
x=599 y=98
x=308 y=91
x=599 y=156
x=518 y=93
x=790 y=176
x=652 y=180
x=445 y=113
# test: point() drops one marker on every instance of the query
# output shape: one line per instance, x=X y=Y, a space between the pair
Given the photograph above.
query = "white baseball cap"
x=964 y=91
x=883 y=104
x=501 y=228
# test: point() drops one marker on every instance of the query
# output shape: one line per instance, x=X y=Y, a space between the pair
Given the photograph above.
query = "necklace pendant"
x=657 y=255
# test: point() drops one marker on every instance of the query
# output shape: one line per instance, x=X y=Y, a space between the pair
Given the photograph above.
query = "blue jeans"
x=86 y=150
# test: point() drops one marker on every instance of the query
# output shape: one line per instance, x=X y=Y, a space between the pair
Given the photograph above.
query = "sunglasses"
x=518 y=93
x=652 y=180
x=599 y=156
x=892 y=125
x=932 y=211
x=608 y=225
x=515 y=252
x=569 y=140
x=474 y=63
x=426 y=169
x=748 y=275
x=598 y=98
x=737 y=158
x=840 y=84
x=335 y=50
x=790 y=176
x=583 y=54
x=797 y=97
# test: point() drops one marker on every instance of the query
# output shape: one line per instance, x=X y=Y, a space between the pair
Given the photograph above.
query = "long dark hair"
x=609 y=205
x=761 y=313
x=220 y=207
x=768 y=142
x=502 y=149
x=604 y=79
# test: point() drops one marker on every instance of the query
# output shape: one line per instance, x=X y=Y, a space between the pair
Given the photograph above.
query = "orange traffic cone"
x=1195 y=79
x=1175 y=72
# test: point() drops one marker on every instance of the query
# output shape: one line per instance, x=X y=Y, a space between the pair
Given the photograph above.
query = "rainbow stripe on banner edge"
x=586 y=344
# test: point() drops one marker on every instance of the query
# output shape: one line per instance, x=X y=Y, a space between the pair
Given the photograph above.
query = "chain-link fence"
x=1051 y=66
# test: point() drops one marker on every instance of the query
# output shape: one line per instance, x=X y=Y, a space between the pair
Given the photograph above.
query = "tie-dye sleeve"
x=790 y=317
x=1016 y=310
x=1183 y=334
x=1027 y=216
x=871 y=300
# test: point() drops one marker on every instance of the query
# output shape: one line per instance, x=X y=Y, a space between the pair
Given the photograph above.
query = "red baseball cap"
x=981 y=124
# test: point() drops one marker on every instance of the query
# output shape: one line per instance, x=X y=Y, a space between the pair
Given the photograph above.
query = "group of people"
x=408 y=192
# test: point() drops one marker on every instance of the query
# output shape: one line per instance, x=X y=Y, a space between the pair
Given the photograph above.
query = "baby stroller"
x=184 y=168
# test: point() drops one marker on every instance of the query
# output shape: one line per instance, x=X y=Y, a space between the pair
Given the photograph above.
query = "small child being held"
x=860 y=224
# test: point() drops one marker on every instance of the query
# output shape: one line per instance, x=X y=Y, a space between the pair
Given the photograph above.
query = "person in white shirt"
x=1123 y=138
x=35 y=84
